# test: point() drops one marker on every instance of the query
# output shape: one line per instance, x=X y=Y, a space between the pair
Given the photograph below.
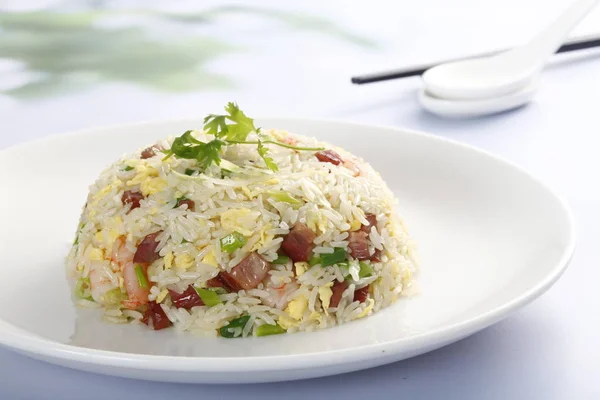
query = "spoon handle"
x=545 y=43
x=578 y=43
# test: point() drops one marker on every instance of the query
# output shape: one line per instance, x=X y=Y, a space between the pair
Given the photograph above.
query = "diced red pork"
x=228 y=282
x=372 y=218
x=156 y=315
x=249 y=272
x=150 y=152
x=216 y=282
x=337 y=289
x=133 y=198
x=376 y=256
x=361 y=294
x=358 y=243
x=329 y=156
x=146 y=251
x=298 y=244
x=187 y=299
x=191 y=205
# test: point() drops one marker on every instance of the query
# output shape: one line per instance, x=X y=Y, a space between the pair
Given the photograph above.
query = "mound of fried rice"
x=238 y=250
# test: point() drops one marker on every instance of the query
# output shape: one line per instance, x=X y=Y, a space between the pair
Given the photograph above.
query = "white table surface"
x=548 y=350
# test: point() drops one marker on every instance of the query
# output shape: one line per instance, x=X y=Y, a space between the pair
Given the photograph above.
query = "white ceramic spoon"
x=507 y=72
x=475 y=108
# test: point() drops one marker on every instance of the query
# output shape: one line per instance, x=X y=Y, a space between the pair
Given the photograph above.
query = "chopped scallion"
x=232 y=242
x=345 y=267
x=234 y=328
x=114 y=297
x=284 y=197
x=209 y=297
x=365 y=270
x=338 y=255
x=265 y=330
x=314 y=260
x=281 y=260
x=190 y=171
x=128 y=168
x=229 y=166
x=82 y=289
x=141 y=277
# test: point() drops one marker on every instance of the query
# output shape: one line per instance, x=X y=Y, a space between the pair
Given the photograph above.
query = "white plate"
x=491 y=239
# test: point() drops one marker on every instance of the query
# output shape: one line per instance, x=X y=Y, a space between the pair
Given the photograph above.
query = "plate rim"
x=31 y=344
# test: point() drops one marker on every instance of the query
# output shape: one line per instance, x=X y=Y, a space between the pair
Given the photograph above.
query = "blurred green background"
x=63 y=50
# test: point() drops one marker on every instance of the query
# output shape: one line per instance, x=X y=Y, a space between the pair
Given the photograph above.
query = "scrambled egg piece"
x=406 y=277
x=325 y=294
x=355 y=225
x=143 y=172
x=106 y=190
x=121 y=282
x=95 y=199
x=296 y=307
x=263 y=238
x=287 y=322
x=315 y=316
x=301 y=267
x=241 y=220
x=152 y=186
x=108 y=237
x=210 y=259
x=184 y=261
x=168 y=259
x=96 y=254
x=247 y=192
x=161 y=296
x=316 y=221
x=392 y=230
x=367 y=309
x=322 y=223
x=116 y=221
x=148 y=179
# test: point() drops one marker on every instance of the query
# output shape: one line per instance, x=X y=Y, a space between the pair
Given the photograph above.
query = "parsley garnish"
x=229 y=129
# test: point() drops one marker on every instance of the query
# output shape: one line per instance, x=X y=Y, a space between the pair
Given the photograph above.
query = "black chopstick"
x=570 y=45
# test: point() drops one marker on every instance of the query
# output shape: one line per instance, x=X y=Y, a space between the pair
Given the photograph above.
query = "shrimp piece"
x=120 y=254
x=100 y=284
x=289 y=140
x=136 y=295
x=356 y=171
x=279 y=295
x=122 y=257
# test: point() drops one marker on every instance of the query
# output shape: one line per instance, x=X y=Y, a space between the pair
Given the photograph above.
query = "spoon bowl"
x=471 y=108
x=507 y=73
x=478 y=79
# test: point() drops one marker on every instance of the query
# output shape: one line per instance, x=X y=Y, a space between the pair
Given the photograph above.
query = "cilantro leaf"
x=262 y=151
x=185 y=146
x=215 y=125
x=242 y=125
x=228 y=129
x=209 y=153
